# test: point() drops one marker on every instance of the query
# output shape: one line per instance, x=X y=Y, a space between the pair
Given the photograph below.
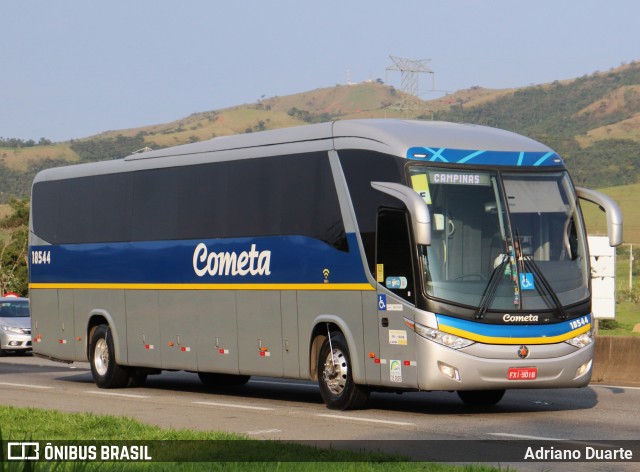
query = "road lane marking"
x=524 y=436
x=112 y=394
x=263 y=431
x=366 y=420
x=231 y=405
x=564 y=441
x=8 y=384
x=615 y=386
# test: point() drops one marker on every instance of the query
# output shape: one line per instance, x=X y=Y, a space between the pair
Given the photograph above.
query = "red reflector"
x=407 y=362
x=377 y=361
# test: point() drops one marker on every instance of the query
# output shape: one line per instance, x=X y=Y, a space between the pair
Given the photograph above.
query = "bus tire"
x=338 y=390
x=106 y=372
x=222 y=380
x=481 y=397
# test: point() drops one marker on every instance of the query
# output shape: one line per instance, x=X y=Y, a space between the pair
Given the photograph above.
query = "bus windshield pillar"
x=415 y=204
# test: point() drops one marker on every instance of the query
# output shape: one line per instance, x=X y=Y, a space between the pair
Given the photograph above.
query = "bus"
x=366 y=255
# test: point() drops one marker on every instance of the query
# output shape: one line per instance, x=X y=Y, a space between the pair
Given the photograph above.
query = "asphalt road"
x=293 y=410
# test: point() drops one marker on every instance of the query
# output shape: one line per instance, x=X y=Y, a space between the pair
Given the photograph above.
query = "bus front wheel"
x=337 y=387
x=106 y=372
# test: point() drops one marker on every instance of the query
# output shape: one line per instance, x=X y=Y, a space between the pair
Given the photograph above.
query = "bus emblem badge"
x=523 y=352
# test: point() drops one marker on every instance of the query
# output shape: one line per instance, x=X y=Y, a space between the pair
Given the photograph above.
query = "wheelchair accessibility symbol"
x=526 y=281
x=382 y=302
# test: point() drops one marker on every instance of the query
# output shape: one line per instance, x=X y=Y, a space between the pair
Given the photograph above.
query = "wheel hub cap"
x=335 y=372
x=101 y=357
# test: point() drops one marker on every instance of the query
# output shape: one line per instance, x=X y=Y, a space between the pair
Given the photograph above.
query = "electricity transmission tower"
x=410 y=71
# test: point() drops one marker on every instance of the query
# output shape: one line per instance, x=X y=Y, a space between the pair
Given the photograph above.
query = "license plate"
x=522 y=373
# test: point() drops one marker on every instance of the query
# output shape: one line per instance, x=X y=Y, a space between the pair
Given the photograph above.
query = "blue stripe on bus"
x=483 y=157
x=291 y=259
x=513 y=331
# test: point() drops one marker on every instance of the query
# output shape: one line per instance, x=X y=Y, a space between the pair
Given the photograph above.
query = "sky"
x=75 y=68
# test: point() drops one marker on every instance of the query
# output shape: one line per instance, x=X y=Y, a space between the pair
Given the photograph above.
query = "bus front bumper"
x=545 y=366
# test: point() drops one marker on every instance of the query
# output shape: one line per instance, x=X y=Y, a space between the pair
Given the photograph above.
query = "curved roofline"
x=390 y=136
x=396 y=135
x=399 y=135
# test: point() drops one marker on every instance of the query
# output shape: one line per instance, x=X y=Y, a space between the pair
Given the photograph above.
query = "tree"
x=14 y=276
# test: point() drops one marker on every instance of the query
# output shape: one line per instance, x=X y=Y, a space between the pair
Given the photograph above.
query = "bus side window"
x=394 y=253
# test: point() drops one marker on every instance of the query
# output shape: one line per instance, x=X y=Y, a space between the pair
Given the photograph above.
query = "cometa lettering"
x=507 y=318
x=251 y=262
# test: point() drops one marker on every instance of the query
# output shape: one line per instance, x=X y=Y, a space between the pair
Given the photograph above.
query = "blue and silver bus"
x=367 y=255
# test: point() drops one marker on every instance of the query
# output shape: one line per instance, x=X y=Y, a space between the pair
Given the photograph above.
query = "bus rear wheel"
x=337 y=387
x=106 y=372
x=481 y=397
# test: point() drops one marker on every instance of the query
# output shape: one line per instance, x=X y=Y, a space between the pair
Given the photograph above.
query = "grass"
x=627 y=316
x=237 y=452
x=19 y=159
x=628 y=197
x=627 y=299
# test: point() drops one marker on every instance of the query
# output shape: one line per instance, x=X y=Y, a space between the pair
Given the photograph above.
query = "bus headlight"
x=583 y=369
x=440 y=337
x=582 y=340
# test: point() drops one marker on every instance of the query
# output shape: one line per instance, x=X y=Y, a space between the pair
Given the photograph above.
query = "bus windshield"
x=502 y=241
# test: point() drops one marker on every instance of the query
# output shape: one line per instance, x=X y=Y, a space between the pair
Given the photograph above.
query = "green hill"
x=592 y=121
x=628 y=197
x=20 y=161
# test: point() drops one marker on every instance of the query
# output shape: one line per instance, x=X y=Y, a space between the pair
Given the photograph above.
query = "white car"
x=15 y=325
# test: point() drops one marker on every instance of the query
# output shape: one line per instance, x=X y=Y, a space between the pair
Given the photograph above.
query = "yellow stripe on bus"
x=499 y=340
x=144 y=286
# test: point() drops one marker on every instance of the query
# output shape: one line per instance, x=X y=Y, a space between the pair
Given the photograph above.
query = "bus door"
x=396 y=298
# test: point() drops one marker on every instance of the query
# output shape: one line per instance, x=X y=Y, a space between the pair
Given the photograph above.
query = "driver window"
x=394 y=268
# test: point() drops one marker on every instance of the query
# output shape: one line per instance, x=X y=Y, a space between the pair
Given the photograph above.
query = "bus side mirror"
x=417 y=207
x=612 y=210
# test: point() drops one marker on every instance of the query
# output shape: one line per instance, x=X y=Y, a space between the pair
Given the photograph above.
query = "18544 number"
x=40 y=257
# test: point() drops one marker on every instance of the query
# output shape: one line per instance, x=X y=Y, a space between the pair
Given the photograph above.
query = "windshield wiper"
x=531 y=266
x=492 y=287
